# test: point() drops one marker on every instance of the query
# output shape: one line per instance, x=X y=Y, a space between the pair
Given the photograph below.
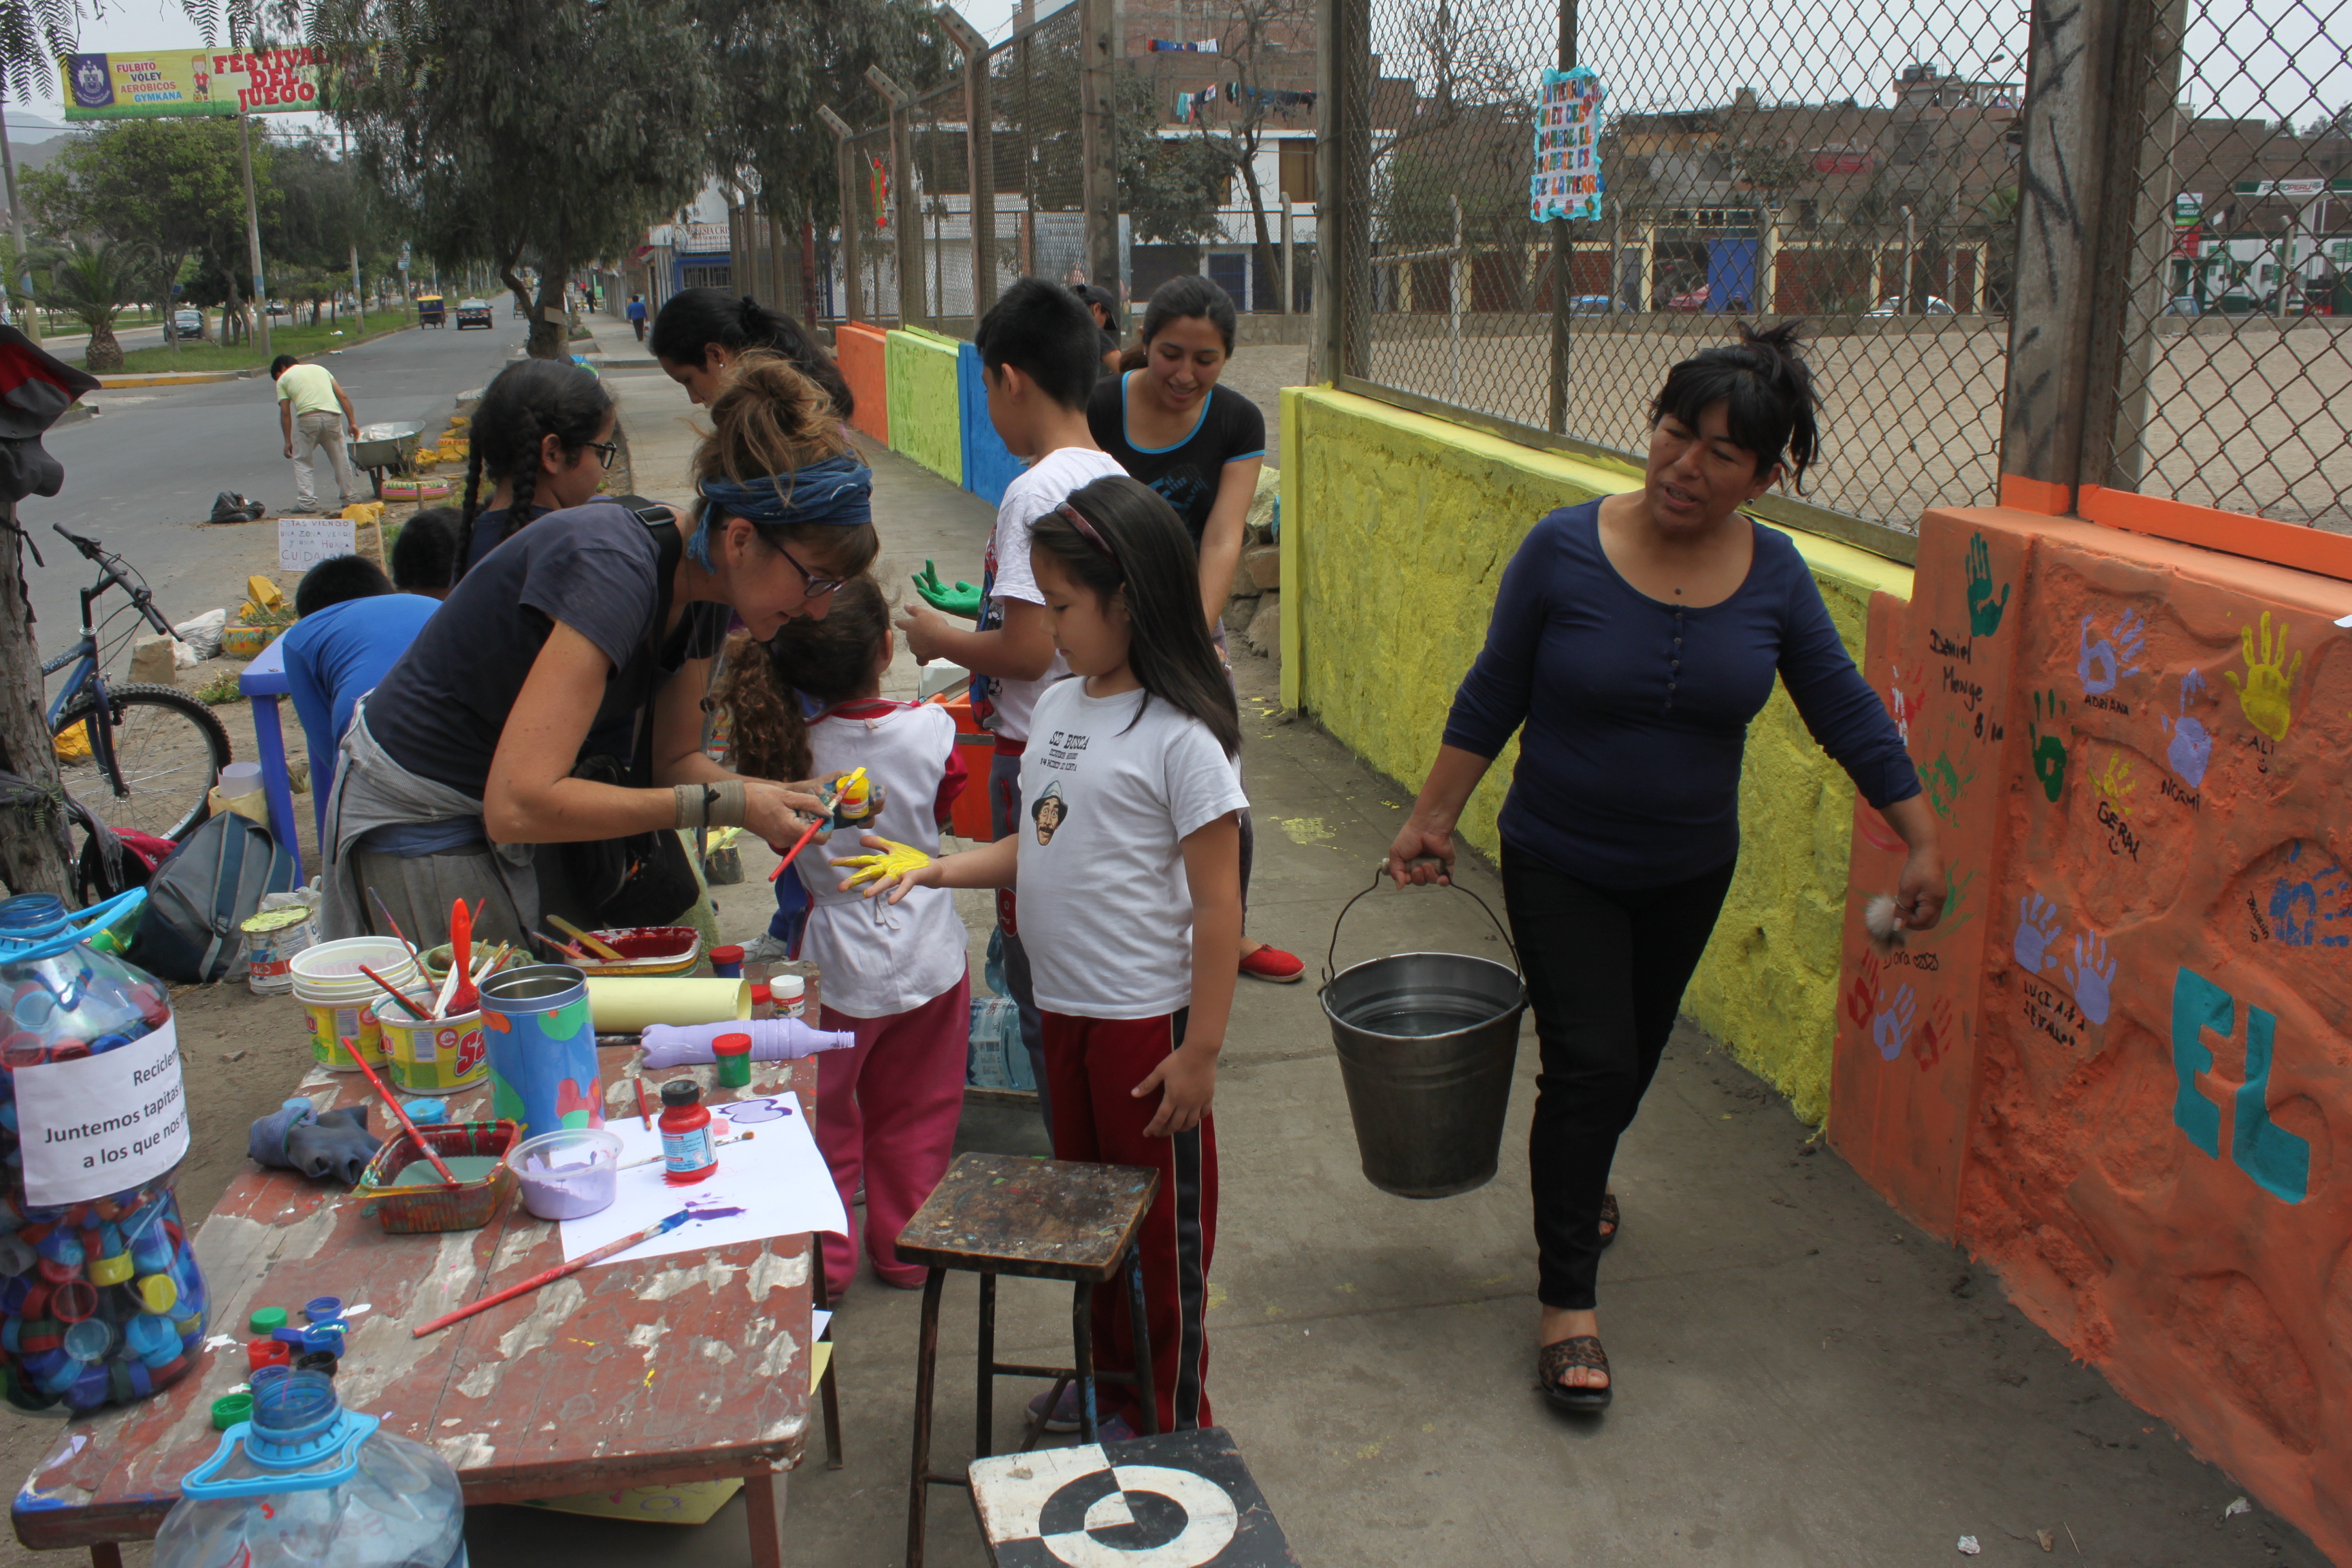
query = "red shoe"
x=1270 y=962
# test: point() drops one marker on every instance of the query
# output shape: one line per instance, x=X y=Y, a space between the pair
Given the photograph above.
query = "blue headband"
x=838 y=493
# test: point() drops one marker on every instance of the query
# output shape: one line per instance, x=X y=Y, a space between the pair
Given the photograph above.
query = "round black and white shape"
x=1136 y=1516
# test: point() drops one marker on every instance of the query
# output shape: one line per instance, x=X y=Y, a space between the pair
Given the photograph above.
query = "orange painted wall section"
x=859 y=349
x=2120 y=1070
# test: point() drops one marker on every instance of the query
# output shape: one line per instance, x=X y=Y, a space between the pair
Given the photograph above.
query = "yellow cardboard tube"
x=626 y=1005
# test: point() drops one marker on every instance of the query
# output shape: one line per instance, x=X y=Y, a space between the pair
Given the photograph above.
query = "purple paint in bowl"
x=567 y=1174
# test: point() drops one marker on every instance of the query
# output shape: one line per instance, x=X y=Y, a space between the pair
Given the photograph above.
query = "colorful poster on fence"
x=1567 y=181
x=183 y=81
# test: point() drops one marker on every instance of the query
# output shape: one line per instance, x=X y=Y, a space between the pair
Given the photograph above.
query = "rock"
x=1245 y=586
x=1265 y=626
x=1258 y=524
x=1264 y=566
x=151 y=660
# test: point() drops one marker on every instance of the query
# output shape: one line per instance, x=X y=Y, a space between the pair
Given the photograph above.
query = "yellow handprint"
x=2263 y=695
x=2117 y=783
x=896 y=861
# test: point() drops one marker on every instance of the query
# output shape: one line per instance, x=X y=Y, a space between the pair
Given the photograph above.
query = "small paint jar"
x=687 y=1155
x=733 y=1054
x=790 y=993
x=727 y=963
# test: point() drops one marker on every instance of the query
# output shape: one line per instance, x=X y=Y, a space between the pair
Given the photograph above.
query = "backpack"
x=230 y=507
x=199 y=896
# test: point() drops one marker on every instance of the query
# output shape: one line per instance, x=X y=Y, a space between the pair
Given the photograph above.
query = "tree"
x=1171 y=187
x=1251 y=37
x=516 y=133
x=91 y=280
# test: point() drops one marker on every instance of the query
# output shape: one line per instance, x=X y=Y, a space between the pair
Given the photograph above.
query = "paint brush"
x=1878 y=922
x=394 y=926
x=408 y=1004
x=402 y=1116
x=609 y=954
x=461 y=959
x=610 y=1250
x=798 y=845
x=565 y=948
x=644 y=1114
x=744 y=1137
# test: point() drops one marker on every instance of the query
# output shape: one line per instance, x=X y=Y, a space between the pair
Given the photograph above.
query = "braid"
x=523 y=475
x=473 y=490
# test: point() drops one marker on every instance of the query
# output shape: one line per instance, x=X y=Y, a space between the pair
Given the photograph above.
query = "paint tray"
x=467 y=1206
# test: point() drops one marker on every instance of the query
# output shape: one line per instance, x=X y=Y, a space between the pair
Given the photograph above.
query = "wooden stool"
x=1182 y=1500
x=1041 y=1219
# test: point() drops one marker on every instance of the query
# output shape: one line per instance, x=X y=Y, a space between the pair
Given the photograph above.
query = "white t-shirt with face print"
x=1111 y=788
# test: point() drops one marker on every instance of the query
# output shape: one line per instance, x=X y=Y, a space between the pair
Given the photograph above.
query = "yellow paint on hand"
x=1307 y=829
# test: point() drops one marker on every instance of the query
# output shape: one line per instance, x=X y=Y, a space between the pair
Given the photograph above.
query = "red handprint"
x=1938 y=1036
x=1862 y=997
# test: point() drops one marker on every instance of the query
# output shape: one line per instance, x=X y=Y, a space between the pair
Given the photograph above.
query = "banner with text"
x=184 y=81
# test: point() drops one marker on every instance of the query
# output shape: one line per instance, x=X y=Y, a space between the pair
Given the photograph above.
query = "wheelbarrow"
x=382 y=449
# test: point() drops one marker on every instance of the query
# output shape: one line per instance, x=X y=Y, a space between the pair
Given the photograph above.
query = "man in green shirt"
x=314 y=411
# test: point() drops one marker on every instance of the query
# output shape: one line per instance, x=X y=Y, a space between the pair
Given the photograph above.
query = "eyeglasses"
x=812 y=586
x=1086 y=532
x=608 y=452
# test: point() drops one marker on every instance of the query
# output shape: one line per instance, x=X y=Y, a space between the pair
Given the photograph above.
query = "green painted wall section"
x=1396 y=529
x=926 y=423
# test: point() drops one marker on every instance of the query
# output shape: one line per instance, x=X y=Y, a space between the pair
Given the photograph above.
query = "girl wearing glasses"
x=1129 y=864
x=543 y=437
x=479 y=766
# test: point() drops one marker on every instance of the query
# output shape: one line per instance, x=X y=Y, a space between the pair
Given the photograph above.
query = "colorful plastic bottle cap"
x=428 y=1112
x=316 y=1361
x=57 y=1271
x=259 y=1353
x=16 y=1258
x=290 y=1336
x=327 y=1337
x=75 y=1301
x=267 y=1319
x=157 y=1294
x=323 y=1308
x=112 y=1270
x=13 y=1294
x=150 y=1337
x=38 y=1335
x=727 y=963
x=266 y=1376
x=90 y=1339
x=231 y=1409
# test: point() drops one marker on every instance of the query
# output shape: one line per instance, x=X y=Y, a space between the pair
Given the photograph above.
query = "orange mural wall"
x=859 y=350
x=2119 y=1070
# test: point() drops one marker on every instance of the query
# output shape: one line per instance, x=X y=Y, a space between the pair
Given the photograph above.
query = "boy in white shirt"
x=1039 y=353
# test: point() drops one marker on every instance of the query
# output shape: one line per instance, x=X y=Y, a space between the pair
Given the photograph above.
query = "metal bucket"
x=1427 y=1043
x=542 y=1049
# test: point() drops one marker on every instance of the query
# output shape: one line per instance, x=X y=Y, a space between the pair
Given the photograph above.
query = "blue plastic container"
x=542 y=1048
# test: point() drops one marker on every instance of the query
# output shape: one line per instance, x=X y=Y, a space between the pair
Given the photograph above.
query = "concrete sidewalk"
x=1804 y=1378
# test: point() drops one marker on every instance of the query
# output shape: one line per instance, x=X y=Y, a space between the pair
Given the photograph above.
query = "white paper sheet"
x=777 y=1184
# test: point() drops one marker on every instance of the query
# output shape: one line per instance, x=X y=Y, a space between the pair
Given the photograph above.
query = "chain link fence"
x=873 y=206
x=2235 y=386
x=1033 y=80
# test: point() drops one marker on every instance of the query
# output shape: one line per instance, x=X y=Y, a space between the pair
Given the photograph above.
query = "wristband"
x=693 y=807
x=723 y=803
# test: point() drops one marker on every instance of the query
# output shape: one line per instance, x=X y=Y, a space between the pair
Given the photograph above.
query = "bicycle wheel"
x=169 y=747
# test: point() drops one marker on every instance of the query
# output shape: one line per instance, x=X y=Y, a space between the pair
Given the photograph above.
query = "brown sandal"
x=1609 y=1218
x=1560 y=1356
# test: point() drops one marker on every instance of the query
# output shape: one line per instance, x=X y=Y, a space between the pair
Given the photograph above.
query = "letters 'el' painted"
x=2278 y=1161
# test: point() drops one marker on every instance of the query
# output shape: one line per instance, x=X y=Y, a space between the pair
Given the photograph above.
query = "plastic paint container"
x=272 y=938
x=568 y=1174
x=734 y=1056
x=336 y=996
x=789 y=993
x=428 y=1056
x=763 y=1001
x=542 y=1048
x=727 y=963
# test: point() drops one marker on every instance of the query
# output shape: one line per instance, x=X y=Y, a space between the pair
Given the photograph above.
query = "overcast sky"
x=2274 y=60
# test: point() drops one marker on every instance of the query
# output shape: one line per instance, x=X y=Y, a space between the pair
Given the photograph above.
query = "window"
x=1298 y=171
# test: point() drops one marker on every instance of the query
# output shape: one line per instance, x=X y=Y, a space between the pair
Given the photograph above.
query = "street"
x=141 y=477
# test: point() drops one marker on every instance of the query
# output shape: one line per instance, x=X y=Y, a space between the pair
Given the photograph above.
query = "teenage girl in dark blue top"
x=1632 y=640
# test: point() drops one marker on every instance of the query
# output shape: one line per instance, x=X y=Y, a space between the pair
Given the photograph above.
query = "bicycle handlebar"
x=140 y=596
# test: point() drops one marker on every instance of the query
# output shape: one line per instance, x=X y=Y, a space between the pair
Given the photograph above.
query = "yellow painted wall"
x=926 y=416
x=1396 y=529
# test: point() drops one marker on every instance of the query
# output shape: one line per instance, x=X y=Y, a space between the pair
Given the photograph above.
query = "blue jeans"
x=1003 y=818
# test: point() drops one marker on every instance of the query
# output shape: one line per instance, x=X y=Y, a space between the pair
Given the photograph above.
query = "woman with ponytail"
x=1633 y=639
x=702 y=332
x=542 y=437
x=467 y=772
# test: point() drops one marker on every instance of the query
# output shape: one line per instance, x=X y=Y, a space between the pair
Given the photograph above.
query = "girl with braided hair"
x=543 y=437
x=702 y=332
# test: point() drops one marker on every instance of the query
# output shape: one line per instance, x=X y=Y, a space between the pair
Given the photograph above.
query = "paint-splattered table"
x=692 y=1367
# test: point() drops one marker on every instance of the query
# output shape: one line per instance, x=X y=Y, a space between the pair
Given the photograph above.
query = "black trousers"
x=1606 y=968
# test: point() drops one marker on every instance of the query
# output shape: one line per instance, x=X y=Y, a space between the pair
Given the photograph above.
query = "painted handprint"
x=1891 y=1030
x=2191 y=751
x=2048 y=751
x=2117 y=783
x=2300 y=909
x=1984 y=611
x=1862 y=997
x=1936 y=1036
x=2037 y=928
x=2091 y=974
x=2264 y=694
x=1944 y=781
x=2104 y=662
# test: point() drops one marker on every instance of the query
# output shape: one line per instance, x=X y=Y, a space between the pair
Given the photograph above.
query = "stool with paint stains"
x=1182 y=1500
x=1037 y=1219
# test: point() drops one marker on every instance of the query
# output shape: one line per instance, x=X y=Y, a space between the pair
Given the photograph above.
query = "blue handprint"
x=2037 y=928
x=2105 y=663
x=1892 y=1028
x=2091 y=974
x=2191 y=751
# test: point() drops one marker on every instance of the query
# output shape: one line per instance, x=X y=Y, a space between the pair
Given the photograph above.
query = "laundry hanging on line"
x=1170 y=46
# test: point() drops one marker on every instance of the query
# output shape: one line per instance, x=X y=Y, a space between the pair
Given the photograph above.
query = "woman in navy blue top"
x=1632 y=640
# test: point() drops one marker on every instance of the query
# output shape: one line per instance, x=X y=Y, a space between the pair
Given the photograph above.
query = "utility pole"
x=979 y=156
x=359 y=301
x=253 y=236
x=1098 y=149
x=16 y=225
x=852 y=214
x=1563 y=262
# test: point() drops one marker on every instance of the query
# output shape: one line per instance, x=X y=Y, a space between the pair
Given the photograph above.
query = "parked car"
x=1696 y=300
x=188 y=323
x=1590 y=305
x=1893 y=306
x=473 y=314
x=279 y=308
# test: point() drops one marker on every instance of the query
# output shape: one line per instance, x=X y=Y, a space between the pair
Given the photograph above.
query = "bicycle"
x=156 y=756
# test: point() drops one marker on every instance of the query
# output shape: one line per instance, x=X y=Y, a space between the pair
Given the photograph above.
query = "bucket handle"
x=1380 y=871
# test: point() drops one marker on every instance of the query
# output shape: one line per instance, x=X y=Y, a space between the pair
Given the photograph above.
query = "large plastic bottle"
x=308 y=1484
x=101 y=1298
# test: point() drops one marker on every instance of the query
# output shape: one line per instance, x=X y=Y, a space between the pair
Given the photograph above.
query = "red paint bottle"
x=687 y=1155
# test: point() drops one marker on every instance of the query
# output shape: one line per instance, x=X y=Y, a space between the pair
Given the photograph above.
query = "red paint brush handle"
x=402 y=1116
x=798 y=845
x=550 y=1276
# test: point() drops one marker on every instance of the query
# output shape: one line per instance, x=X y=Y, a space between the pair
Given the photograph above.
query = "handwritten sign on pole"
x=304 y=541
x=1567 y=179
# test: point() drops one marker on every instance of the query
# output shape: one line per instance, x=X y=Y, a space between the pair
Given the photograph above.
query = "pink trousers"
x=886 y=1114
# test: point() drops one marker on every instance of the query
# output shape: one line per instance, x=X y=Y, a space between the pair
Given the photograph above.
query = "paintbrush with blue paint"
x=610 y=1250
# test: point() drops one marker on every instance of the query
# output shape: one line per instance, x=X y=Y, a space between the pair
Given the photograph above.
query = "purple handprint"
x=2037 y=928
x=2105 y=663
x=1892 y=1028
x=2091 y=974
x=2191 y=751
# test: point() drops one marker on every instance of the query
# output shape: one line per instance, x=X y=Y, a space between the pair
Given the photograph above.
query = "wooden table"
x=690 y=1367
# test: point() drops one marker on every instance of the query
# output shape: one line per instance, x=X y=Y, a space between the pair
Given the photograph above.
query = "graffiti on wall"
x=2278 y=1161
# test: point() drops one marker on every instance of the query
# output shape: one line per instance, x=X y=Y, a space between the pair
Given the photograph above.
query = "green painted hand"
x=963 y=599
x=1943 y=783
x=2048 y=751
x=1984 y=612
x=2264 y=694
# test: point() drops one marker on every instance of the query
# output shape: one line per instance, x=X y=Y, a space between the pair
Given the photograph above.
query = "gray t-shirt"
x=440 y=711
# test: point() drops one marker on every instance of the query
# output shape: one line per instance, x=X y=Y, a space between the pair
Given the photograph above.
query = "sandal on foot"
x=1560 y=1356
x=1610 y=1218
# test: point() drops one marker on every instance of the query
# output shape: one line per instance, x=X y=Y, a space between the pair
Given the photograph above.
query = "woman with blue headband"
x=467 y=772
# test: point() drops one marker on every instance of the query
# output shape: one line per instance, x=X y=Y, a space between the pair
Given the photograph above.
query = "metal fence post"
x=852 y=298
x=1343 y=187
x=1563 y=260
x=980 y=155
x=2077 y=182
x=908 y=218
x=1099 y=158
x=2133 y=288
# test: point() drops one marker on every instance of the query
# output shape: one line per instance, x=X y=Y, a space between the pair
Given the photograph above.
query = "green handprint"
x=1984 y=613
x=963 y=599
x=2263 y=695
x=2048 y=751
x=1944 y=780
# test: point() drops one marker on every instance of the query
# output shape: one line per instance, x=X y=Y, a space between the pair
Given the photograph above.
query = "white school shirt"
x=1106 y=906
x=1036 y=490
x=877 y=959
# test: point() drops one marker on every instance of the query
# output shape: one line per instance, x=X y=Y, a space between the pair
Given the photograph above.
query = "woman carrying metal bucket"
x=1634 y=638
